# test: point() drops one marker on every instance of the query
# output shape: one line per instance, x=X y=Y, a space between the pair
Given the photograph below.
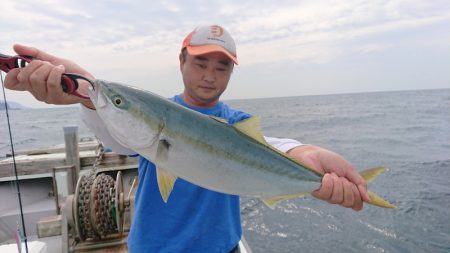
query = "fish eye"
x=117 y=100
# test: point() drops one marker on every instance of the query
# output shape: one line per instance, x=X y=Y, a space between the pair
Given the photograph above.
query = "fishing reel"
x=96 y=212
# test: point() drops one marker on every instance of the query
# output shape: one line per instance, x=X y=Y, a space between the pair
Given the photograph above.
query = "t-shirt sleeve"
x=282 y=144
x=236 y=116
x=233 y=115
x=96 y=125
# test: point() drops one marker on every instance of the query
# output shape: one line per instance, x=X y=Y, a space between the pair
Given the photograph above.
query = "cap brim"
x=205 y=49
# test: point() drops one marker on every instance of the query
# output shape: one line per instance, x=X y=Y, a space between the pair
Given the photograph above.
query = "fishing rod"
x=15 y=171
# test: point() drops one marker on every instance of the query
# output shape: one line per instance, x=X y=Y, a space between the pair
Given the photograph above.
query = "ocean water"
x=406 y=131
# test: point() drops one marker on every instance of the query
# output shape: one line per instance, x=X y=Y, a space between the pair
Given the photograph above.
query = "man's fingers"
x=363 y=191
x=349 y=197
x=25 y=73
x=33 y=52
x=38 y=80
x=354 y=177
x=54 y=78
x=54 y=85
x=337 y=197
x=339 y=190
x=326 y=188
x=358 y=204
x=12 y=83
x=42 y=79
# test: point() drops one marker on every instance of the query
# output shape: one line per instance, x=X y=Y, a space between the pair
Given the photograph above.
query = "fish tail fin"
x=369 y=175
x=376 y=200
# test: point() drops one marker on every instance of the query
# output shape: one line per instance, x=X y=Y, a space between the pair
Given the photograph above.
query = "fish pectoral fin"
x=272 y=201
x=252 y=128
x=165 y=178
x=162 y=151
x=166 y=181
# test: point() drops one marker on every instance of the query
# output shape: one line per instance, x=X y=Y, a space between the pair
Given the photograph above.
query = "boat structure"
x=76 y=197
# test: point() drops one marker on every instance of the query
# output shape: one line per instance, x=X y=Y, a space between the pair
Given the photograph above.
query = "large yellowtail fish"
x=204 y=150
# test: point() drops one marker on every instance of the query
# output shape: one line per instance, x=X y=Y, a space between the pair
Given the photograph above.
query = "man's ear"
x=182 y=60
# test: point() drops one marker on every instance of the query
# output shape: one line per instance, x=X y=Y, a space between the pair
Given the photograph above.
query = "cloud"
x=154 y=27
x=140 y=40
x=170 y=5
x=318 y=31
x=372 y=48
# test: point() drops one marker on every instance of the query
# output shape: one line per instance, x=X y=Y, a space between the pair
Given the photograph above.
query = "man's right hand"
x=42 y=78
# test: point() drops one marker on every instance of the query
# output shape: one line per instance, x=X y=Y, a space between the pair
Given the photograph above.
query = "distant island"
x=11 y=105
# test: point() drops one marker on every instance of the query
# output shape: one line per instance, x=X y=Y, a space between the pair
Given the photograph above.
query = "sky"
x=284 y=48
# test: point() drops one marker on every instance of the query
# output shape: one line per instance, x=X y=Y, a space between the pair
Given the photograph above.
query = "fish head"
x=122 y=110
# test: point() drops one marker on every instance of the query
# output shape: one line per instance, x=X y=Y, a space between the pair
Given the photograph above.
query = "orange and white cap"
x=208 y=39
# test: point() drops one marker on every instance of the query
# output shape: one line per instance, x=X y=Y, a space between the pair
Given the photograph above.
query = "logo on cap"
x=216 y=30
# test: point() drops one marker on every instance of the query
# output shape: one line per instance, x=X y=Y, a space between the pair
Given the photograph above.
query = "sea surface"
x=406 y=131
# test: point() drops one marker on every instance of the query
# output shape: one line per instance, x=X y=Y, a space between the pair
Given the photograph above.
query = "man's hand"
x=42 y=77
x=341 y=183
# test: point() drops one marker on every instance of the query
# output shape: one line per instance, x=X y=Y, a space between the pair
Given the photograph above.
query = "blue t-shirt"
x=194 y=219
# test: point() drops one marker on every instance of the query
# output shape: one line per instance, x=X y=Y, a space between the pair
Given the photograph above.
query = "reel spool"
x=96 y=211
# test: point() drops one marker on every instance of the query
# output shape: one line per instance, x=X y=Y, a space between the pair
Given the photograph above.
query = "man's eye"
x=201 y=66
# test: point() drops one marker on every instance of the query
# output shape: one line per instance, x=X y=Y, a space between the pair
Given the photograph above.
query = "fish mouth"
x=93 y=91
x=95 y=94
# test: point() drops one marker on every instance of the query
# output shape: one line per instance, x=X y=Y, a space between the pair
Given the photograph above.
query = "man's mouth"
x=207 y=87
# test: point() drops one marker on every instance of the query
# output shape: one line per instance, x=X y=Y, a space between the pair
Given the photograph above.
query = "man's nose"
x=210 y=75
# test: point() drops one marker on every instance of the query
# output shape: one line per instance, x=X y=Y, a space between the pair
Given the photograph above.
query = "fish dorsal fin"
x=251 y=127
x=166 y=181
x=272 y=201
x=221 y=120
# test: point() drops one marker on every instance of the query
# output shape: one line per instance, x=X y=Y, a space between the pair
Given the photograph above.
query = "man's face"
x=205 y=77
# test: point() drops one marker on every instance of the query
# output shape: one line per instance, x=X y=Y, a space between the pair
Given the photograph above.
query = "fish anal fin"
x=272 y=201
x=166 y=181
x=252 y=128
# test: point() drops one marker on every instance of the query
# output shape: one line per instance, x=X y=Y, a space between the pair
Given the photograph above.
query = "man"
x=194 y=219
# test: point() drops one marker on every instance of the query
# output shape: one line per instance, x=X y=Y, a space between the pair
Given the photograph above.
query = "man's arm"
x=341 y=183
x=42 y=78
